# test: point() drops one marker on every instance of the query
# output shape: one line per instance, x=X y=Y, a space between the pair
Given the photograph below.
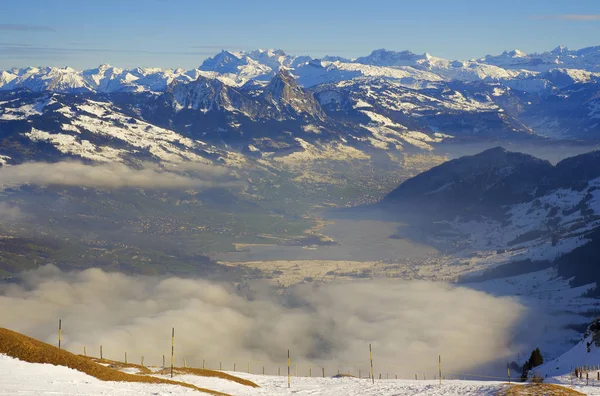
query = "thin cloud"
x=238 y=47
x=25 y=28
x=115 y=175
x=18 y=49
x=570 y=17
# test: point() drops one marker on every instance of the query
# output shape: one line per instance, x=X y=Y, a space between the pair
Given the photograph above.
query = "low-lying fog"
x=356 y=240
x=408 y=322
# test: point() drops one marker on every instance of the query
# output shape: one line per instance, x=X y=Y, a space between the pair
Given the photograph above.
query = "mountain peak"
x=284 y=93
x=285 y=75
x=282 y=80
x=560 y=49
x=268 y=52
x=498 y=150
x=223 y=62
x=515 y=53
x=493 y=177
x=104 y=66
x=383 y=57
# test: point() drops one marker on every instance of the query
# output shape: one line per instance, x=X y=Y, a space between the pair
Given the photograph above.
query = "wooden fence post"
x=289 y=362
x=172 y=350
x=371 y=358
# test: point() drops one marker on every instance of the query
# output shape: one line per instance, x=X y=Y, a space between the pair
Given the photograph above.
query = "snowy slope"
x=578 y=356
x=541 y=229
x=17 y=377
x=31 y=379
x=98 y=131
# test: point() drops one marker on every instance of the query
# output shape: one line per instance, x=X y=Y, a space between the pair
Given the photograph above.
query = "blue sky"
x=180 y=33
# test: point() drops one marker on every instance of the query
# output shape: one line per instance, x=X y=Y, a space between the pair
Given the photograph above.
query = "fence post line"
x=263 y=370
x=125 y=357
x=310 y=372
x=203 y=363
x=172 y=350
x=249 y=368
x=142 y=361
x=163 y=361
x=59 y=332
x=508 y=368
x=101 y=352
x=371 y=358
x=84 y=352
x=440 y=368
x=279 y=371
x=323 y=371
x=184 y=363
x=289 y=368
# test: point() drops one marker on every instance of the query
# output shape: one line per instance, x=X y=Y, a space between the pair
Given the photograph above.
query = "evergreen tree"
x=536 y=359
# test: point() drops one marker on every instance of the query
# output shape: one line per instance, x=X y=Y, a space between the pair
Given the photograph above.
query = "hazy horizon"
x=81 y=35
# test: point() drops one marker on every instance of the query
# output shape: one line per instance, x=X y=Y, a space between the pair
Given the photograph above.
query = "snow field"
x=18 y=377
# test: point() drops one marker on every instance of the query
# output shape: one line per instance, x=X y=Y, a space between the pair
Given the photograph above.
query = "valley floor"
x=18 y=377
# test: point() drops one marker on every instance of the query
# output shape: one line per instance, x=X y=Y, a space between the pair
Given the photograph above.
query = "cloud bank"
x=113 y=175
x=408 y=323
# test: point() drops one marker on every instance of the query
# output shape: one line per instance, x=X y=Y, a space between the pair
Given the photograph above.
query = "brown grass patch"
x=31 y=350
x=208 y=373
x=176 y=370
x=539 y=390
x=113 y=364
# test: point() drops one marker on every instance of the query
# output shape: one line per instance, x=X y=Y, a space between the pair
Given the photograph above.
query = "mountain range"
x=266 y=102
x=510 y=207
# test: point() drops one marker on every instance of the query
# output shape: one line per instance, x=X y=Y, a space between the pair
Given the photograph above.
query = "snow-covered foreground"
x=18 y=377
x=22 y=378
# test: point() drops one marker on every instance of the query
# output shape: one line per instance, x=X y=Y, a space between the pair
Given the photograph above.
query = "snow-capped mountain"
x=561 y=57
x=266 y=100
x=237 y=68
x=104 y=78
x=440 y=111
x=453 y=70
